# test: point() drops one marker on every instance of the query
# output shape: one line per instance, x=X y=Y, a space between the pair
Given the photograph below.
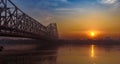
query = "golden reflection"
x=92 y=50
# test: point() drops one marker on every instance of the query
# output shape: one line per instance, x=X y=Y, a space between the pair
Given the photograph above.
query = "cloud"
x=108 y=1
x=64 y=0
x=70 y=10
x=115 y=8
x=77 y=10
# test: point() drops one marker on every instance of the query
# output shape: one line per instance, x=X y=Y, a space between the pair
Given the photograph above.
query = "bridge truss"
x=14 y=22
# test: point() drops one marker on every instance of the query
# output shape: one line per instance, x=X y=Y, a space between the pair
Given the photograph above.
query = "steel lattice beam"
x=15 y=22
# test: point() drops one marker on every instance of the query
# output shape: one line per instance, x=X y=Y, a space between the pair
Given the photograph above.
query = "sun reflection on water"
x=92 y=51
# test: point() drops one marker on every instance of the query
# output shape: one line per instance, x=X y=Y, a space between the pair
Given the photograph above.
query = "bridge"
x=15 y=23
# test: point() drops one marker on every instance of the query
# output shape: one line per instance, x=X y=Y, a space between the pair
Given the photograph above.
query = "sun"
x=92 y=34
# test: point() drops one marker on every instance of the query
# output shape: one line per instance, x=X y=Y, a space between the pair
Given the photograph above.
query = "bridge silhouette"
x=15 y=23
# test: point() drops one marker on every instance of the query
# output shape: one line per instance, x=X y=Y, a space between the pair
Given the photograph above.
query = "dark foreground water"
x=63 y=54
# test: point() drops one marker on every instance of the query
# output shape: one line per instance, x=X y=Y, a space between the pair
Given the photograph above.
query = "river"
x=65 y=54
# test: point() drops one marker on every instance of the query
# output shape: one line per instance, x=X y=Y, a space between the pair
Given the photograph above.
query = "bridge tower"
x=52 y=29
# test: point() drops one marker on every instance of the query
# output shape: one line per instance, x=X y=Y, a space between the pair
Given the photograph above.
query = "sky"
x=76 y=19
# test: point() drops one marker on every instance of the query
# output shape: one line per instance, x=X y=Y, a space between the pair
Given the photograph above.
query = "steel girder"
x=15 y=22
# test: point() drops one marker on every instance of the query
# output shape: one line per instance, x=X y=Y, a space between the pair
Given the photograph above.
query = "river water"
x=68 y=54
x=88 y=54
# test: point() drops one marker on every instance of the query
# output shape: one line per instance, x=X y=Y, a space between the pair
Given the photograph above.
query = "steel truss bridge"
x=14 y=22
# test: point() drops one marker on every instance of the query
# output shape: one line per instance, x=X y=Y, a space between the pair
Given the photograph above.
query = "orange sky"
x=77 y=26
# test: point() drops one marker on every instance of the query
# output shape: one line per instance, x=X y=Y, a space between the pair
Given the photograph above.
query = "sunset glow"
x=75 y=17
x=60 y=31
x=92 y=34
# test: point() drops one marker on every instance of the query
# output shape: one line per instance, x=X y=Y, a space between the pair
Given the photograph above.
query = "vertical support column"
x=0 y=14
x=5 y=6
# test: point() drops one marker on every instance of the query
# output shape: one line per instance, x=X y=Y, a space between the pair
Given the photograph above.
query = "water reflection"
x=92 y=50
x=45 y=55
x=66 y=54
x=88 y=54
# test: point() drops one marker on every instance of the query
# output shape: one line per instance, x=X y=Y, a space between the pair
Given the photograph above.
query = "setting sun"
x=92 y=34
